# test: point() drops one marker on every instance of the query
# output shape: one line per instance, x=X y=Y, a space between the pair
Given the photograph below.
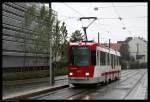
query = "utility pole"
x=50 y=6
x=109 y=43
x=50 y=58
x=137 y=50
x=98 y=38
x=137 y=54
x=109 y=54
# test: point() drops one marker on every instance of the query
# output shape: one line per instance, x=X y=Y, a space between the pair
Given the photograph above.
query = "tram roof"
x=99 y=47
x=82 y=43
x=108 y=50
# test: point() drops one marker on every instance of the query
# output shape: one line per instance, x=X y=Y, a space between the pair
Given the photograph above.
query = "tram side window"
x=97 y=58
x=102 y=58
x=118 y=60
x=115 y=61
x=108 y=59
x=112 y=61
x=93 y=57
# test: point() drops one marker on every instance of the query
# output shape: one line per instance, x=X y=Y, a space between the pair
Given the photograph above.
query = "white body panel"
x=98 y=70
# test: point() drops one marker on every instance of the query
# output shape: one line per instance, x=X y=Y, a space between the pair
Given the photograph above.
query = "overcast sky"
x=134 y=19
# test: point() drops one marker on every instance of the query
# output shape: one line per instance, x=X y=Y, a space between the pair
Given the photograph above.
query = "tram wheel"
x=103 y=83
x=77 y=85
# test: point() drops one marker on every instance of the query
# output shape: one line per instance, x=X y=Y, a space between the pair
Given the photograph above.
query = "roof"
x=115 y=46
x=92 y=45
x=111 y=51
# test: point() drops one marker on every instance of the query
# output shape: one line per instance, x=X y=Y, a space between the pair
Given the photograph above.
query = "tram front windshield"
x=80 y=56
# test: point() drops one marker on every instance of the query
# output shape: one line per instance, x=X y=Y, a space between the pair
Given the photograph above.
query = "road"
x=132 y=85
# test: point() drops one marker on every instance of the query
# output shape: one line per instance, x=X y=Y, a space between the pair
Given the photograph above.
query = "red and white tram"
x=91 y=63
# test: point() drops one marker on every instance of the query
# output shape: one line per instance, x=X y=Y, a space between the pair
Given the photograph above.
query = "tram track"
x=84 y=93
x=125 y=71
x=79 y=93
x=134 y=86
x=125 y=74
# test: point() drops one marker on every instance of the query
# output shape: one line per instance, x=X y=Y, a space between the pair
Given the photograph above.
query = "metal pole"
x=98 y=38
x=50 y=64
x=109 y=43
x=109 y=54
x=50 y=6
x=50 y=58
x=137 y=50
x=84 y=29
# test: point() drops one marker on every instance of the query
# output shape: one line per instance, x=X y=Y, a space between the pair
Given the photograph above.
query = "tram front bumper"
x=83 y=80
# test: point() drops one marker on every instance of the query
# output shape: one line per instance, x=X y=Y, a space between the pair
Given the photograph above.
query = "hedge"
x=133 y=65
x=33 y=74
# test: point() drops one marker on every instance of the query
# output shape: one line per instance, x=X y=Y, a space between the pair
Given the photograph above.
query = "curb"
x=31 y=94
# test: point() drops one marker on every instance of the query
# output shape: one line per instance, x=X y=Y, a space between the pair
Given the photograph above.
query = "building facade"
x=12 y=55
x=138 y=49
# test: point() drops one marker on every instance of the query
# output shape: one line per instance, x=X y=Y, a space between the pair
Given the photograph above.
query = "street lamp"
x=96 y=8
x=124 y=28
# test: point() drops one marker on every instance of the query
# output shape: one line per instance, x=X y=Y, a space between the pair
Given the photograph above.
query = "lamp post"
x=98 y=38
x=50 y=58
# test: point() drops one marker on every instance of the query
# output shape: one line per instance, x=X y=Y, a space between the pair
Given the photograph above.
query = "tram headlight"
x=70 y=73
x=87 y=73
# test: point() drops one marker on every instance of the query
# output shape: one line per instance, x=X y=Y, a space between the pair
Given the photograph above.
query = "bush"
x=33 y=74
x=24 y=75
x=134 y=65
x=123 y=64
x=60 y=69
x=60 y=64
x=143 y=65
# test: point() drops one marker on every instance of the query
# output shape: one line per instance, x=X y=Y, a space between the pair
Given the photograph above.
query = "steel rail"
x=82 y=93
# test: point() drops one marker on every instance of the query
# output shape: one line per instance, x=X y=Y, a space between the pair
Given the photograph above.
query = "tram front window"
x=80 y=56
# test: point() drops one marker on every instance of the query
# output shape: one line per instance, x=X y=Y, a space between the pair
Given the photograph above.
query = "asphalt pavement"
x=22 y=87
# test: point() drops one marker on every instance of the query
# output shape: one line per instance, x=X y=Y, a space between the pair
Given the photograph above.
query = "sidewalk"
x=28 y=81
x=29 y=87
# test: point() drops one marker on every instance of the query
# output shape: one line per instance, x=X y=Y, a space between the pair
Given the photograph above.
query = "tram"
x=92 y=63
